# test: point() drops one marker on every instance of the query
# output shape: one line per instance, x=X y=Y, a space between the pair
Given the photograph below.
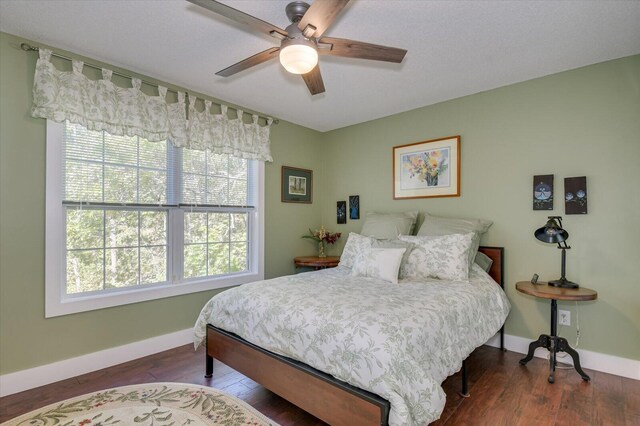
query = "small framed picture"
x=341 y=212
x=575 y=195
x=543 y=192
x=427 y=169
x=297 y=185
x=354 y=207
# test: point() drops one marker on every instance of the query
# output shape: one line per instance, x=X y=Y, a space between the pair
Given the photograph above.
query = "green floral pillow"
x=378 y=263
x=446 y=257
x=356 y=244
x=434 y=226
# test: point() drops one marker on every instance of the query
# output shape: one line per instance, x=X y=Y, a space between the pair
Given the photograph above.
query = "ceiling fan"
x=302 y=41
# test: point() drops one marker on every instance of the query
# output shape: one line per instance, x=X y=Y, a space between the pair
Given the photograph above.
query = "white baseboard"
x=38 y=376
x=27 y=379
x=588 y=359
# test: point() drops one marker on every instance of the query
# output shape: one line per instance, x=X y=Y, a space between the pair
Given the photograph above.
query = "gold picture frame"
x=427 y=169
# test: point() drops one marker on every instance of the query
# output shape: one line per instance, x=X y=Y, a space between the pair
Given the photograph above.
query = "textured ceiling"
x=456 y=48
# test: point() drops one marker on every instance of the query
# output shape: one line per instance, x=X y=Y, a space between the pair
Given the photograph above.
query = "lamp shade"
x=552 y=232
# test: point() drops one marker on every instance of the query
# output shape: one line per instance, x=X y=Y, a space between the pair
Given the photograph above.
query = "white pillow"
x=446 y=257
x=379 y=263
x=389 y=225
x=355 y=244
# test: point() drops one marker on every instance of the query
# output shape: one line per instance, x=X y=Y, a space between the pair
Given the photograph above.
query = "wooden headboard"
x=497 y=267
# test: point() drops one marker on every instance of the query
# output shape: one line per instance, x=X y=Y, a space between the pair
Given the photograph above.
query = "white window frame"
x=58 y=303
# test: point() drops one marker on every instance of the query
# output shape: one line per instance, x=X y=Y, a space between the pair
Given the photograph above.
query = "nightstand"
x=317 y=262
x=553 y=342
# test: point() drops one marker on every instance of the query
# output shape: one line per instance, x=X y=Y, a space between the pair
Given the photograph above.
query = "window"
x=131 y=220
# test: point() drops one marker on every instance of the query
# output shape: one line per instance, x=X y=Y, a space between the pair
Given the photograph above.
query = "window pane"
x=195 y=228
x=120 y=184
x=218 y=227
x=238 y=192
x=84 y=229
x=121 y=228
x=81 y=143
x=238 y=168
x=194 y=161
x=195 y=260
x=239 y=227
x=84 y=271
x=83 y=181
x=238 y=257
x=153 y=228
x=84 y=267
x=218 y=165
x=121 y=149
x=100 y=167
x=193 y=189
x=121 y=269
x=153 y=154
x=218 y=191
x=153 y=187
x=217 y=179
x=153 y=265
x=218 y=259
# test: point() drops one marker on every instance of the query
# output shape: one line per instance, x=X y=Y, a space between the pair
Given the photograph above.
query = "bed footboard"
x=320 y=394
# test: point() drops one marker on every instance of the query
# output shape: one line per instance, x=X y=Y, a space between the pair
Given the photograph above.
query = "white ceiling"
x=456 y=48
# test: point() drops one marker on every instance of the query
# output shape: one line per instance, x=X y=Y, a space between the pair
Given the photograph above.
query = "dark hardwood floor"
x=502 y=391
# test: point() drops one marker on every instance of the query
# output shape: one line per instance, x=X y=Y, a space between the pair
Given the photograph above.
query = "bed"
x=361 y=369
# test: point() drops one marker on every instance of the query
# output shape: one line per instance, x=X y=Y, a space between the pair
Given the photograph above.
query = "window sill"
x=82 y=303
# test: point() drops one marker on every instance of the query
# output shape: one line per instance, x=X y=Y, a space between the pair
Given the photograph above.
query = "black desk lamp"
x=553 y=233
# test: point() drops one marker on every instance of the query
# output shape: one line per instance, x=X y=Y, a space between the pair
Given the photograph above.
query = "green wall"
x=576 y=123
x=27 y=339
x=581 y=122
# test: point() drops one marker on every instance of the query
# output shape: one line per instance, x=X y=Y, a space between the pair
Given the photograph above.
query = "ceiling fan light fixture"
x=299 y=58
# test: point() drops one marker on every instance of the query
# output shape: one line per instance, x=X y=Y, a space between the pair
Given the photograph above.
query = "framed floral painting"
x=427 y=169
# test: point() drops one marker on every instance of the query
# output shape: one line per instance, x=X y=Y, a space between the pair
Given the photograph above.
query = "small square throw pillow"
x=356 y=244
x=378 y=263
x=395 y=244
x=446 y=257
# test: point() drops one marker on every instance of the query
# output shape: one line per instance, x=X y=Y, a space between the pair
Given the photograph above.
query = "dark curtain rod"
x=29 y=48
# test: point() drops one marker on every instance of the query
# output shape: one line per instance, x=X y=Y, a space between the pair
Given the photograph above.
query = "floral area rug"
x=158 y=404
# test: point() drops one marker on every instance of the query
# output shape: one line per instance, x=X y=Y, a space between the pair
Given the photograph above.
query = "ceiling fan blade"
x=313 y=80
x=321 y=15
x=241 y=17
x=251 y=61
x=360 y=50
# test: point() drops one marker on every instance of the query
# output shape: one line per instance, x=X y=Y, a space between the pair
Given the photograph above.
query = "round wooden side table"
x=553 y=342
x=317 y=262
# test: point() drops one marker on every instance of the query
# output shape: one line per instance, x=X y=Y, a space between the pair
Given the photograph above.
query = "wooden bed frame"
x=318 y=393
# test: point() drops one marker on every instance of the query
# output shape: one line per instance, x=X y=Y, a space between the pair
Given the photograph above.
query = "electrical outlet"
x=564 y=317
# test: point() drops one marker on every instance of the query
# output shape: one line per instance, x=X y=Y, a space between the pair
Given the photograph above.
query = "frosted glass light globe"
x=298 y=58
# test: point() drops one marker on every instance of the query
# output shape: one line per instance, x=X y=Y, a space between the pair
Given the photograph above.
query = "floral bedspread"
x=399 y=341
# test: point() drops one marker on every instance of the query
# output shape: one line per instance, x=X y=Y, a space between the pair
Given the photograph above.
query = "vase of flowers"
x=321 y=252
x=322 y=237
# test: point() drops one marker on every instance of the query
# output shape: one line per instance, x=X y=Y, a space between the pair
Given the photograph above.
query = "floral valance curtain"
x=218 y=133
x=101 y=105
